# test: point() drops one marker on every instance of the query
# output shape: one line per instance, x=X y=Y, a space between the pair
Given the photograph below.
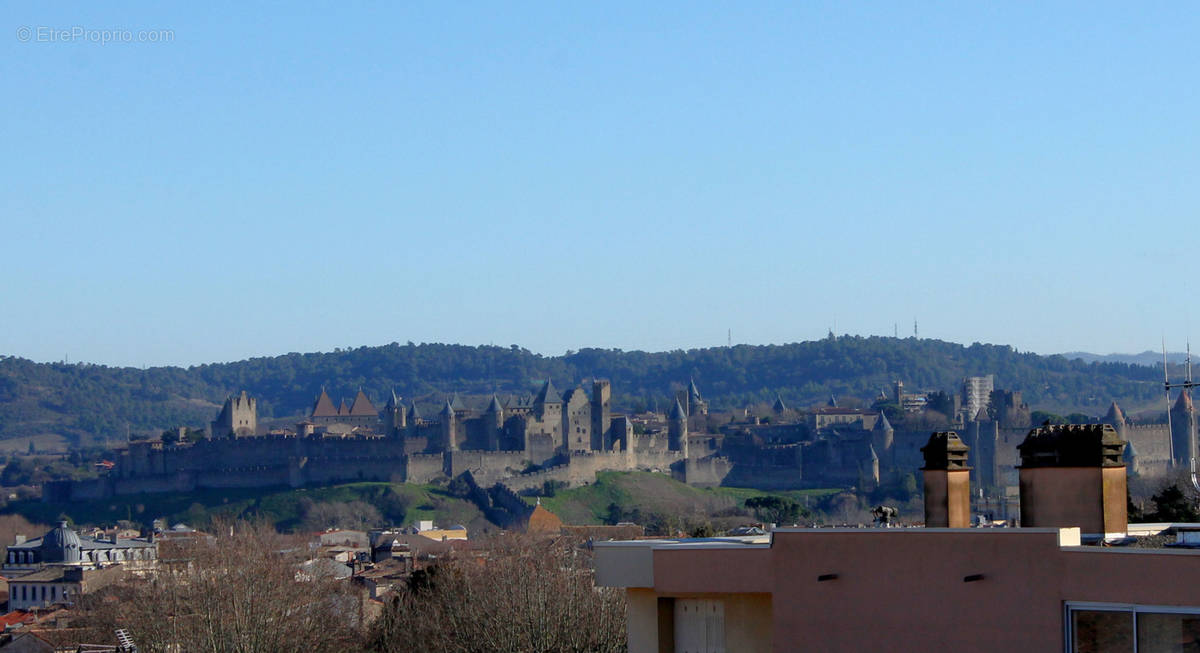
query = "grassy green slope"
x=656 y=494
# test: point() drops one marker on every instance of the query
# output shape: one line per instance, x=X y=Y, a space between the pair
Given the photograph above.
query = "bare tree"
x=518 y=594
x=242 y=592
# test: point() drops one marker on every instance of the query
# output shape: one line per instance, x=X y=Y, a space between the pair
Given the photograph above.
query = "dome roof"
x=61 y=544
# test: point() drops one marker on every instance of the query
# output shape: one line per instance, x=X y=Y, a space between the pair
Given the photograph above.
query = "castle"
x=523 y=441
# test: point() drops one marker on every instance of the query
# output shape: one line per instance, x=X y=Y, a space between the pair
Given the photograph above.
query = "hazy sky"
x=282 y=178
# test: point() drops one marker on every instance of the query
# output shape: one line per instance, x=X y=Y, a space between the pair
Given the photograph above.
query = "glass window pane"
x=1101 y=631
x=1168 y=633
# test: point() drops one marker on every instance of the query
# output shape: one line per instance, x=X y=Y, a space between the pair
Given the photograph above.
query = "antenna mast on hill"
x=1186 y=386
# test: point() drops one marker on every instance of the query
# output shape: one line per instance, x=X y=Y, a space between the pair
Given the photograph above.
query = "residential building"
x=1049 y=586
x=62 y=565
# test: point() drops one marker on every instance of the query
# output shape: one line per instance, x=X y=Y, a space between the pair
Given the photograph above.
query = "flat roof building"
x=929 y=589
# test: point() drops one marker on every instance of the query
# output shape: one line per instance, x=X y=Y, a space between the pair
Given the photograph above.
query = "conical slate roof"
x=832 y=403
x=448 y=410
x=393 y=401
x=1130 y=453
x=882 y=424
x=362 y=406
x=677 y=410
x=323 y=406
x=494 y=405
x=343 y=409
x=456 y=403
x=549 y=394
x=693 y=391
x=779 y=406
x=1114 y=414
x=413 y=413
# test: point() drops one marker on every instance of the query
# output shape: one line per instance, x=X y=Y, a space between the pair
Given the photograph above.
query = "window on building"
x=1132 y=629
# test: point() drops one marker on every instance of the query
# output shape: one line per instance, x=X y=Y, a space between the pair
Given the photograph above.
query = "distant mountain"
x=1148 y=358
x=82 y=401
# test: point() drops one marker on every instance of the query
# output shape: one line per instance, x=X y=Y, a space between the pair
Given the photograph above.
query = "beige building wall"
x=979 y=590
x=650 y=622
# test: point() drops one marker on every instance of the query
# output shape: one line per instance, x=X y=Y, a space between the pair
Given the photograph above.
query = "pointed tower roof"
x=882 y=424
x=413 y=413
x=832 y=403
x=1184 y=403
x=456 y=403
x=392 y=401
x=1130 y=453
x=548 y=394
x=362 y=406
x=494 y=405
x=779 y=406
x=693 y=391
x=343 y=409
x=448 y=410
x=1114 y=414
x=323 y=406
x=677 y=410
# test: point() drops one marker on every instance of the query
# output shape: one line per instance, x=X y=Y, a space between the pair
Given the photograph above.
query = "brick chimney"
x=1074 y=475
x=947 y=482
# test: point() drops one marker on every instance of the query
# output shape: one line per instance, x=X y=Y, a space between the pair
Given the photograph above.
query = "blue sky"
x=279 y=178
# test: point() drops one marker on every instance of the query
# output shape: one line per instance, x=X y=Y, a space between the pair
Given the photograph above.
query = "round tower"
x=493 y=422
x=449 y=428
x=882 y=438
x=677 y=429
x=394 y=417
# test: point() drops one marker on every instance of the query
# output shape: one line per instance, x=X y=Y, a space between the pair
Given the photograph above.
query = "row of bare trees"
x=247 y=590
x=519 y=594
x=242 y=592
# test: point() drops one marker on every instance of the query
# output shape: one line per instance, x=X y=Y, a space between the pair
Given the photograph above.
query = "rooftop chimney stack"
x=1074 y=475
x=947 y=482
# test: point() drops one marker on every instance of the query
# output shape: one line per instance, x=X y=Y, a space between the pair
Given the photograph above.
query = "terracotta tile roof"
x=362 y=406
x=15 y=617
x=323 y=407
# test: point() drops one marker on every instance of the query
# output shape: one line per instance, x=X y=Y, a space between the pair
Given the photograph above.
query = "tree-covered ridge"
x=99 y=401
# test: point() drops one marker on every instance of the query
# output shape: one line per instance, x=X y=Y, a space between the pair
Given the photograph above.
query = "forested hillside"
x=90 y=400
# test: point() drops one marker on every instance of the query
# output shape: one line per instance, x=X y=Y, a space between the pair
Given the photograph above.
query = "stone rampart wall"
x=424 y=467
x=707 y=472
x=488 y=467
